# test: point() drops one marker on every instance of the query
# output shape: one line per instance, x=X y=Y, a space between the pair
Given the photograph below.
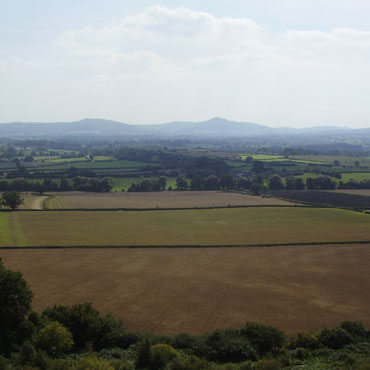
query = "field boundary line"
x=189 y=246
x=167 y=208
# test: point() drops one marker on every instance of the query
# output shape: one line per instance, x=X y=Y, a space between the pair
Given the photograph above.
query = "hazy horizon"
x=282 y=63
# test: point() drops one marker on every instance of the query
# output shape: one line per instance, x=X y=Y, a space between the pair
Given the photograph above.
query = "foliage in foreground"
x=81 y=338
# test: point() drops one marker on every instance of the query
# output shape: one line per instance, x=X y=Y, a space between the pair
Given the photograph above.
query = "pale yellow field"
x=167 y=199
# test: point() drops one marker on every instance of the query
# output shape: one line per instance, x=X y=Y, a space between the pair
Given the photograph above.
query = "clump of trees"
x=148 y=185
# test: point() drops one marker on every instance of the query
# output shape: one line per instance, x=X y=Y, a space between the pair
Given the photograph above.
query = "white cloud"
x=186 y=64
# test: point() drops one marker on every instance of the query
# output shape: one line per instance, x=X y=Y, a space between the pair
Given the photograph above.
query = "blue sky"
x=278 y=62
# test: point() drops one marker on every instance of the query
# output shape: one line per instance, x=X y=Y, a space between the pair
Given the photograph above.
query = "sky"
x=294 y=63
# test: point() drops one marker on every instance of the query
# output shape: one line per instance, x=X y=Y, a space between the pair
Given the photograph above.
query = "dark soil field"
x=329 y=198
x=209 y=227
x=198 y=290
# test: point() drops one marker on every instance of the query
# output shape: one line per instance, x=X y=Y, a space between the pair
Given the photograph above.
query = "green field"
x=5 y=234
x=346 y=161
x=346 y=176
x=357 y=176
x=97 y=165
x=277 y=158
x=80 y=159
x=234 y=226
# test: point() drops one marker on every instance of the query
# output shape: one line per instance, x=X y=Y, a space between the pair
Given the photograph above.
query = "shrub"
x=55 y=339
x=305 y=340
x=269 y=364
x=190 y=363
x=335 y=338
x=144 y=354
x=92 y=363
x=356 y=329
x=161 y=355
x=263 y=337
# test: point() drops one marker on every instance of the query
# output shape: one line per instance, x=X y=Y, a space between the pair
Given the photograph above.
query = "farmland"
x=364 y=192
x=329 y=198
x=209 y=227
x=32 y=201
x=198 y=290
x=167 y=199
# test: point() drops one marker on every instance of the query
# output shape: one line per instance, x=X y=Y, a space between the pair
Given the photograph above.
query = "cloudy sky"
x=277 y=62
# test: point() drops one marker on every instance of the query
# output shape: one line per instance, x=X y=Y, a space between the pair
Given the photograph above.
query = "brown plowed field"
x=166 y=199
x=198 y=290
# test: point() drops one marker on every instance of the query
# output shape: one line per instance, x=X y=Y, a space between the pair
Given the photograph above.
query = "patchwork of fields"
x=209 y=227
x=168 y=199
x=199 y=290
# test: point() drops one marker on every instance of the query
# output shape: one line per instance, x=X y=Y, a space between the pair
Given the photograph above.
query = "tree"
x=196 y=183
x=65 y=185
x=11 y=199
x=88 y=326
x=144 y=354
x=15 y=304
x=55 y=339
x=39 y=188
x=211 y=183
x=227 y=182
x=161 y=355
x=162 y=182
x=275 y=182
x=249 y=159
x=106 y=185
x=294 y=183
x=263 y=337
x=256 y=188
x=258 y=167
x=181 y=184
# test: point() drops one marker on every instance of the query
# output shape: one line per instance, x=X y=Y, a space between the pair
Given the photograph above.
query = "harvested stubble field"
x=198 y=290
x=165 y=199
x=210 y=227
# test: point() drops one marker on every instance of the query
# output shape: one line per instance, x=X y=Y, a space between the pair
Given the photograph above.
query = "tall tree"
x=11 y=199
x=15 y=304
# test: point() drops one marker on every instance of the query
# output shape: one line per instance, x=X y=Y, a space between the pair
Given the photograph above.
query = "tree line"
x=79 y=183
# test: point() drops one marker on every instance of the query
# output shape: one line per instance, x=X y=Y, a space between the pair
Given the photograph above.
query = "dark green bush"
x=88 y=326
x=335 y=338
x=263 y=338
x=356 y=329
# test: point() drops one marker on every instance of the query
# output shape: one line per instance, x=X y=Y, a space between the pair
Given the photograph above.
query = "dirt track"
x=197 y=290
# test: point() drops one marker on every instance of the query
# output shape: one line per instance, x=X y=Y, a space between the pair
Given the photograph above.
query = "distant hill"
x=213 y=128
